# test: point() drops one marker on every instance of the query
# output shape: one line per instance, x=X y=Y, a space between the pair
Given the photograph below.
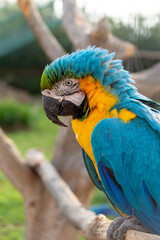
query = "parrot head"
x=63 y=98
x=62 y=94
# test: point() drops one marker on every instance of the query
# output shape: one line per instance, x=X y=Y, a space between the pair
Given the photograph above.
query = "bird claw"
x=118 y=228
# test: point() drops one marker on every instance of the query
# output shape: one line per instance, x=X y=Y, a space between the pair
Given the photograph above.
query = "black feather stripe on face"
x=83 y=110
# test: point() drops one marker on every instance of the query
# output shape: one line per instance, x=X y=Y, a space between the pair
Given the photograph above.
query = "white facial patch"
x=61 y=91
x=76 y=98
x=51 y=93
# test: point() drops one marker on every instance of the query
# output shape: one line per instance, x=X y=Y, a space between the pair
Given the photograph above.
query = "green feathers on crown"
x=90 y=61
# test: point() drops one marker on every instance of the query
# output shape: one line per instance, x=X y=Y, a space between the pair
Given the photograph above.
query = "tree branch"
x=47 y=41
x=76 y=25
x=101 y=36
x=12 y=164
x=148 y=81
x=67 y=201
x=93 y=227
x=147 y=54
x=43 y=219
x=82 y=33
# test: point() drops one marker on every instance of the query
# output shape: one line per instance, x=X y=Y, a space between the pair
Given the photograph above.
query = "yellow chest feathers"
x=100 y=102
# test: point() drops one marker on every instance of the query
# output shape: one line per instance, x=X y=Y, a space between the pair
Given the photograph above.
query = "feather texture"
x=133 y=153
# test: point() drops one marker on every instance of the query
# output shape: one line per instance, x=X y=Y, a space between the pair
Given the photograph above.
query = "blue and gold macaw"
x=117 y=128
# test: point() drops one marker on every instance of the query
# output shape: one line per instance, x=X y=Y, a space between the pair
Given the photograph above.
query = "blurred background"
x=22 y=61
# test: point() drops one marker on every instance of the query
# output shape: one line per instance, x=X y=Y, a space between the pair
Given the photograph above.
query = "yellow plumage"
x=126 y=115
x=100 y=102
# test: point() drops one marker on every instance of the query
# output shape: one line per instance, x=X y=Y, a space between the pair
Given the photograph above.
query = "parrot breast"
x=100 y=102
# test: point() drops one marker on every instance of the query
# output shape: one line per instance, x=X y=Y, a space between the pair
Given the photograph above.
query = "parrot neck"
x=100 y=103
x=101 y=100
x=97 y=96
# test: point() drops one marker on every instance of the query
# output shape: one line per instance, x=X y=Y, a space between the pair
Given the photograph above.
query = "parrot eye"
x=68 y=83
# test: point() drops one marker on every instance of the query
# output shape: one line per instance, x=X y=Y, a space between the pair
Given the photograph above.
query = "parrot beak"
x=53 y=108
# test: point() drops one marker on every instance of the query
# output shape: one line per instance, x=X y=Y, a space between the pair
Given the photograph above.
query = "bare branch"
x=76 y=25
x=147 y=54
x=101 y=36
x=148 y=81
x=48 y=42
x=135 y=235
x=93 y=227
x=82 y=33
x=12 y=164
x=67 y=201
x=123 y=49
x=43 y=217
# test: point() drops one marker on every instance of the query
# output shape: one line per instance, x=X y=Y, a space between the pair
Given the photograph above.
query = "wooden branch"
x=135 y=235
x=12 y=164
x=66 y=200
x=42 y=214
x=148 y=81
x=76 y=25
x=147 y=54
x=82 y=33
x=93 y=227
x=101 y=36
x=47 y=41
x=122 y=48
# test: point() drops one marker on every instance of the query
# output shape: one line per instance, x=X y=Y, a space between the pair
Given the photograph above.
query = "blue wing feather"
x=113 y=190
x=91 y=170
x=94 y=177
x=132 y=151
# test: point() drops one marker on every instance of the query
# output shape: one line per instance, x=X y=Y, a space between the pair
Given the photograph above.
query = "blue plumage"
x=133 y=153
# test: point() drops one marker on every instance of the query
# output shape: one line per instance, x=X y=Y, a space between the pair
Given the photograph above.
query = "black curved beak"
x=53 y=108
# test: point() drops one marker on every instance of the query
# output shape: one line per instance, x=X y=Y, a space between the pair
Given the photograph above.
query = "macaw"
x=117 y=127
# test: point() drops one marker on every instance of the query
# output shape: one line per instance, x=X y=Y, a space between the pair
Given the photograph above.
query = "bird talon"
x=118 y=228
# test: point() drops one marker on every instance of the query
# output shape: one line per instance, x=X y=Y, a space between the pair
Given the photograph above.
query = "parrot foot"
x=118 y=228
